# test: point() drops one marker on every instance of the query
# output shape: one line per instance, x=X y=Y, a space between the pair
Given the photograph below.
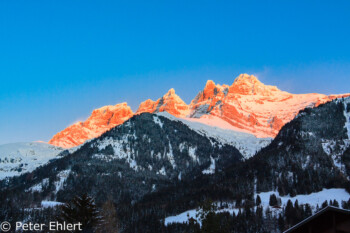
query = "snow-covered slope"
x=161 y=144
x=18 y=158
x=217 y=128
x=145 y=154
x=313 y=199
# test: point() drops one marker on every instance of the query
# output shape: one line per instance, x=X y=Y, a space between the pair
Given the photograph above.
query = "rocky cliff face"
x=100 y=121
x=252 y=106
x=170 y=103
x=107 y=117
x=247 y=106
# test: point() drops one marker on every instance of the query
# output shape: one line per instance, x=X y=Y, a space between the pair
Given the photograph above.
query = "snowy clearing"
x=313 y=199
x=50 y=204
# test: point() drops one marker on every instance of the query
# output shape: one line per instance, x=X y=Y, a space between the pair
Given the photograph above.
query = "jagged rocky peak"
x=248 y=105
x=246 y=84
x=170 y=92
x=147 y=106
x=244 y=78
x=170 y=103
x=208 y=98
x=211 y=89
x=171 y=96
x=100 y=120
x=110 y=114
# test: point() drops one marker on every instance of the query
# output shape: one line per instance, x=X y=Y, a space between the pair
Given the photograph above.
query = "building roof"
x=319 y=213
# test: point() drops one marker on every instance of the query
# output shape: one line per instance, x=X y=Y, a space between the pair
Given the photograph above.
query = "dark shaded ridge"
x=114 y=178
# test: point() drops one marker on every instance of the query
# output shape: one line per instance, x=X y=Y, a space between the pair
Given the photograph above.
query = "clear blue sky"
x=61 y=59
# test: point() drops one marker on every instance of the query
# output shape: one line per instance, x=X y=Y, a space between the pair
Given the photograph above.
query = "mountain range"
x=230 y=145
x=247 y=106
x=159 y=165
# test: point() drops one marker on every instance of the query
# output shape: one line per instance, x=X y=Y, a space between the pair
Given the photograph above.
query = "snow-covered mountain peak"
x=251 y=106
x=18 y=158
x=248 y=105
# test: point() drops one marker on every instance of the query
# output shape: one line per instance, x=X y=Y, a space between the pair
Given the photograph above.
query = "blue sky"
x=61 y=59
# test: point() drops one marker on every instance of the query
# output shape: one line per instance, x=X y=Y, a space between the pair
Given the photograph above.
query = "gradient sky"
x=61 y=59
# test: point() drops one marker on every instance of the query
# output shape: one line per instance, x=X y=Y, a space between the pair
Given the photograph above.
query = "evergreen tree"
x=259 y=212
x=193 y=224
x=259 y=217
x=317 y=208
x=211 y=224
x=290 y=213
x=273 y=200
x=299 y=211
x=345 y=205
x=335 y=203
x=281 y=223
x=258 y=200
x=207 y=215
x=324 y=204
x=82 y=210
x=308 y=211
x=110 y=221
x=238 y=202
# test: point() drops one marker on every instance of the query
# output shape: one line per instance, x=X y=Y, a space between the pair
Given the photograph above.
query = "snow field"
x=312 y=199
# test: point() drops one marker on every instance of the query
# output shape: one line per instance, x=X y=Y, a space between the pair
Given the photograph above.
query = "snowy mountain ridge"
x=18 y=158
x=247 y=105
x=124 y=146
x=246 y=143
